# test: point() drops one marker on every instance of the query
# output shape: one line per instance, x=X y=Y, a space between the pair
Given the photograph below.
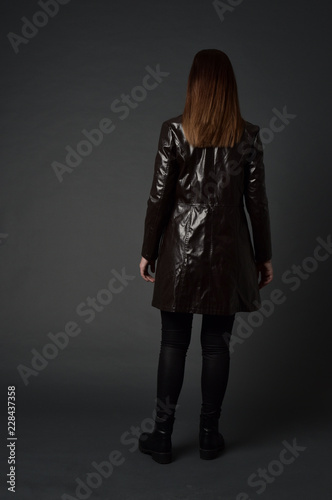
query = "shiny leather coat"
x=197 y=228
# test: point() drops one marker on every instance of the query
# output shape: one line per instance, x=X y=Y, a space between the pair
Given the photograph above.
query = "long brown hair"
x=211 y=116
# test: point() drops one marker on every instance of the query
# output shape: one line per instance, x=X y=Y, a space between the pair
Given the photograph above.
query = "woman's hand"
x=266 y=270
x=143 y=266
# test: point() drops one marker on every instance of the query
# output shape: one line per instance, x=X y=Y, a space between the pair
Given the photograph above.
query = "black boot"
x=158 y=443
x=211 y=442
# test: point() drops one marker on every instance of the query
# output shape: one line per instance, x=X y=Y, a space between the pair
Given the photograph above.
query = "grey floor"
x=59 y=439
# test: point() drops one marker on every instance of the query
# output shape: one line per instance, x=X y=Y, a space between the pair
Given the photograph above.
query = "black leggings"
x=176 y=335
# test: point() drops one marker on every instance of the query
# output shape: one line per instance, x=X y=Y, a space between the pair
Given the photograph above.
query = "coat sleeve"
x=162 y=193
x=257 y=203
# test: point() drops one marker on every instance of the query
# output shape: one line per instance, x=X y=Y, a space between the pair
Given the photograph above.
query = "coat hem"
x=202 y=310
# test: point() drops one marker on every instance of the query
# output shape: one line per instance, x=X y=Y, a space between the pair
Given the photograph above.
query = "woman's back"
x=197 y=227
x=210 y=175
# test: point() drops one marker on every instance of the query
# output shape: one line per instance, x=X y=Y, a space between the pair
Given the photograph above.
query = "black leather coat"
x=196 y=225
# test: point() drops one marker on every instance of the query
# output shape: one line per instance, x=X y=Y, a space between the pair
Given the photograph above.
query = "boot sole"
x=210 y=454
x=161 y=458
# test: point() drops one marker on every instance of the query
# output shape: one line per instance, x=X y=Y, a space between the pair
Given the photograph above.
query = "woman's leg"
x=175 y=340
x=215 y=336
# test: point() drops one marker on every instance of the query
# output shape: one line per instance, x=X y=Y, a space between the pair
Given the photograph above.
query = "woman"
x=208 y=165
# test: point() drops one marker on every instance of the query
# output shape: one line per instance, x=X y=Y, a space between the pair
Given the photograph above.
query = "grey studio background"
x=71 y=224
